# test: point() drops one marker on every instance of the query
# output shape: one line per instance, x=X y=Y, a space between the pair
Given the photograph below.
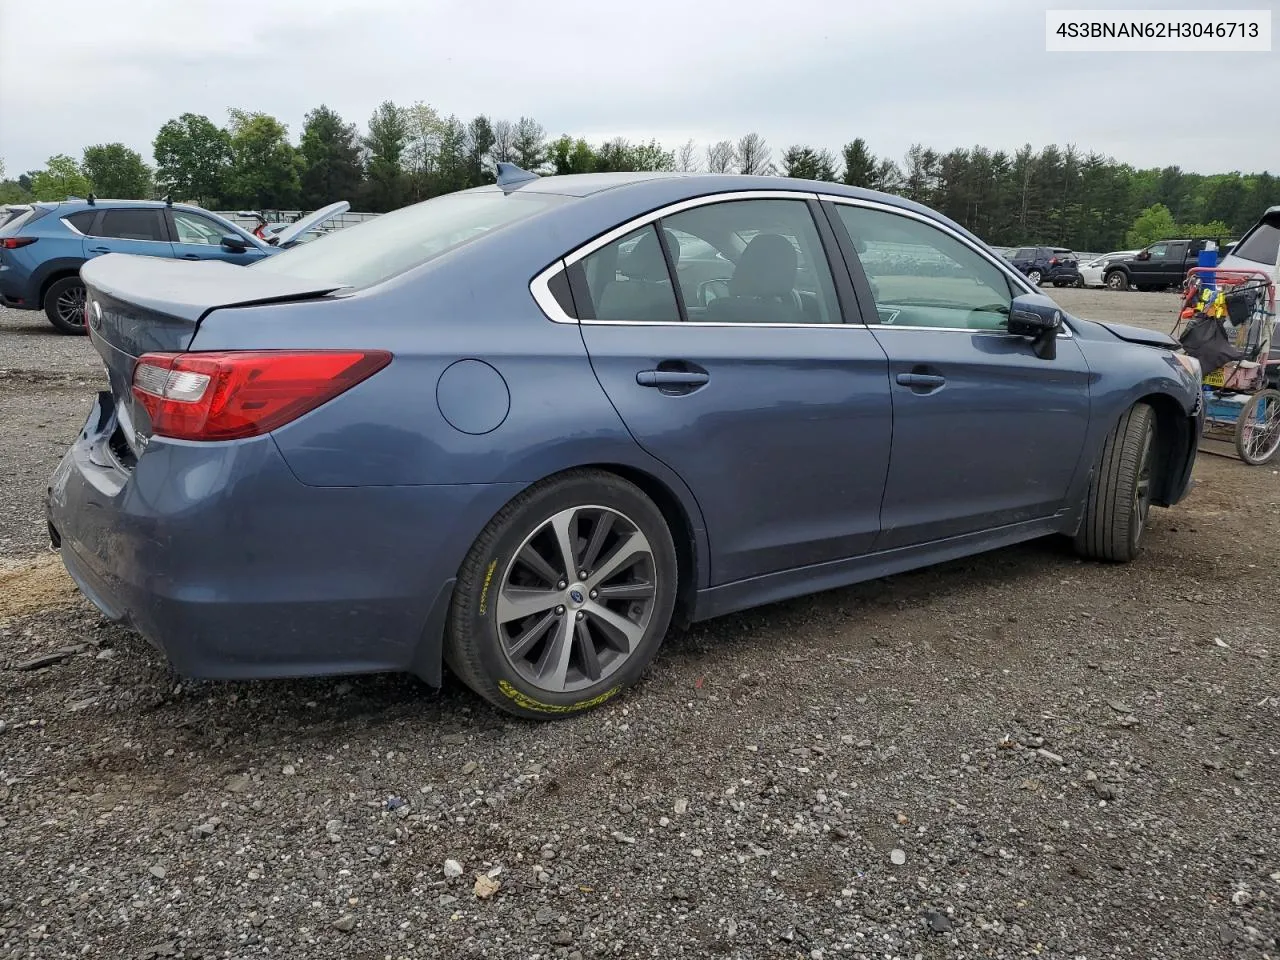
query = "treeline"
x=1056 y=195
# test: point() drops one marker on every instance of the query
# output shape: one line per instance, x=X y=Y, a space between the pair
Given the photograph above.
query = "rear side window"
x=24 y=219
x=133 y=225
x=395 y=242
x=1262 y=243
x=83 y=221
x=629 y=280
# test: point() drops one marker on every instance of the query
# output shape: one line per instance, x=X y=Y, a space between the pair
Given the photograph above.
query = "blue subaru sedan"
x=523 y=430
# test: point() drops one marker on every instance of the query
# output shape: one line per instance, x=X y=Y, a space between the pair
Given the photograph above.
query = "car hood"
x=303 y=224
x=1150 y=338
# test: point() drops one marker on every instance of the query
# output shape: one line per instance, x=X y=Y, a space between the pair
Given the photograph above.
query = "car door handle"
x=99 y=249
x=189 y=256
x=671 y=378
x=921 y=380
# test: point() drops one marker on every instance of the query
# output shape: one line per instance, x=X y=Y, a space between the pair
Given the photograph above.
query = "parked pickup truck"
x=1163 y=264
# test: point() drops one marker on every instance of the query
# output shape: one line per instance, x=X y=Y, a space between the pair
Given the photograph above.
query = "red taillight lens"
x=227 y=396
x=1053 y=261
x=13 y=243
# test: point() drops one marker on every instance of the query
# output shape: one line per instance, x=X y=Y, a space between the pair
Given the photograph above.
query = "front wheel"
x=1034 y=276
x=1117 y=280
x=565 y=596
x=1258 y=428
x=1119 y=499
x=64 y=305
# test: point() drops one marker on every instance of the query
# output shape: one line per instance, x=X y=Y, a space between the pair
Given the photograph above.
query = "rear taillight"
x=13 y=243
x=230 y=395
x=1053 y=261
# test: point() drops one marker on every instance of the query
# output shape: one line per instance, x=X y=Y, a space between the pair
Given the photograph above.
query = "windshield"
x=387 y=246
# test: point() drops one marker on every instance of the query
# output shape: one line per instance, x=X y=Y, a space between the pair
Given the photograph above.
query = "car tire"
x=1079 y=282
x=1119 y=498
x=63 y=303
x=509 y=657
x=1034 y=277
x=1117 y=280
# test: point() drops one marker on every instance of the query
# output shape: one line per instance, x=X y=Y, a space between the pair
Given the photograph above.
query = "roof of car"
x=79 y=203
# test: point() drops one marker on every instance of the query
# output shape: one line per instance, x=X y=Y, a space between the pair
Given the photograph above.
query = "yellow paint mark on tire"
x=528 y=703
x=484 y=592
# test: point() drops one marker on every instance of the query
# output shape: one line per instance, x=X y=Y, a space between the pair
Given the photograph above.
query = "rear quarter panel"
x=391 y=431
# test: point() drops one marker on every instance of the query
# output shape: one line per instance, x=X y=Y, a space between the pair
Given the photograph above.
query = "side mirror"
x=234 y=244
x=1036 y=316
x=1143 y=255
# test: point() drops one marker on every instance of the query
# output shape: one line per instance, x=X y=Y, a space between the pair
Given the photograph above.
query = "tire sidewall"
x=475 y=614
x=1138 y=521
x=56 y=289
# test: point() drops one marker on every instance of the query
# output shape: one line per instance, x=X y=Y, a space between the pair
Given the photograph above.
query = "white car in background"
x=1091 y=272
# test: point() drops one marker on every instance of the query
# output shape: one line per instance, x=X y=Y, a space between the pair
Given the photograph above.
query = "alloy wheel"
x=1142 y=486
x=576 y=598
x=70 y=306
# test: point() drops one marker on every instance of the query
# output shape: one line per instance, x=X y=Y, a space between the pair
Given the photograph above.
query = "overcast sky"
x=944 y=73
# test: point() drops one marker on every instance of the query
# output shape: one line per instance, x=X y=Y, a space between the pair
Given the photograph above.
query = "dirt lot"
x=1015 y=755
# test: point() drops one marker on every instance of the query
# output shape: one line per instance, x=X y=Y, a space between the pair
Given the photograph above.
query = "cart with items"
x=1227 y=322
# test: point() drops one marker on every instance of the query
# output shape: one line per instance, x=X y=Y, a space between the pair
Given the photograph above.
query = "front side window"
x=921 y=276
x=193 y=228
x=752 y=261
x=1158 y=250
x=133 y=225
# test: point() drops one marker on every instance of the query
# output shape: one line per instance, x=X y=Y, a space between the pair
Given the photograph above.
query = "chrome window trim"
x=540 y=286
x=996 y=261
x=66 y=222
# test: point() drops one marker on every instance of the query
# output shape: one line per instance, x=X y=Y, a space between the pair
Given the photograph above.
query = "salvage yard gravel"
x=1015 y=755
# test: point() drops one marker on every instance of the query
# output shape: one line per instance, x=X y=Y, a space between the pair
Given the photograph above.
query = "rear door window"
x=133 y=225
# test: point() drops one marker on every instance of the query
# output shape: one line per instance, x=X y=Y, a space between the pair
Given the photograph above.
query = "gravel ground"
x=1014 y=755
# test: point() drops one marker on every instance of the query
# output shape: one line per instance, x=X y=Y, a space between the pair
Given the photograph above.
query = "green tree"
x=386 y=142
x=652 y=156
x=530 y=144
x=1152 y=224
x=264 y=165
x=62 y=178
x=1214 y=228
x=859 y=164
x=806 y=163
x=330 y=151
x=567 y=155
x=193 y=158
x=480 y=142
x=116 y=171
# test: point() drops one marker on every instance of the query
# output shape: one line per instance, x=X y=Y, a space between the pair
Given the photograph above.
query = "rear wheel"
x=1119 y=500
x=1117 y=280
x=1258 y=428
x=64 y=305
x=564 y=598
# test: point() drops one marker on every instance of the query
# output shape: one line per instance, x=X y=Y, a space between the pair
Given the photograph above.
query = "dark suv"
x=1056 y=265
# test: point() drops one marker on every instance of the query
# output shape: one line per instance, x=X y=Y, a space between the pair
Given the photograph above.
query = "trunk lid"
x=138 y=305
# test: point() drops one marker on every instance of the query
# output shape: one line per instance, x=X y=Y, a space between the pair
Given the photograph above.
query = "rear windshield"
x=21 y=220
x=1262 y=243
x=387 y=246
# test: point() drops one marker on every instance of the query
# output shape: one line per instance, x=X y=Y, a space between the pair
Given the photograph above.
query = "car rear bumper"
x=234 y=569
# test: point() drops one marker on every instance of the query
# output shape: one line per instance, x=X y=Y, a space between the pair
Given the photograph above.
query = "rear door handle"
x=99 y=249
x=921 y=380
x=671 y=378
x=189 y=256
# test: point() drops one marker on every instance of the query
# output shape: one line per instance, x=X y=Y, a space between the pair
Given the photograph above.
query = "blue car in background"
x=42 y=249
x=522 y=430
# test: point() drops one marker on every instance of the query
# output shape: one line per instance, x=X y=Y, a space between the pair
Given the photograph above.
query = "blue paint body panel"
x=333 y=543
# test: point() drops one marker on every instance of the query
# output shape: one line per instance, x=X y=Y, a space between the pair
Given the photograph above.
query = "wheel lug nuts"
x=594 y=594
x=561 y=585
x=559 y=611
x=579 y=615
x=582 y=574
